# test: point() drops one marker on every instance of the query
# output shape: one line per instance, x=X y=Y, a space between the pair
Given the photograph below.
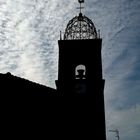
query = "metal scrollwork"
x=80 y=27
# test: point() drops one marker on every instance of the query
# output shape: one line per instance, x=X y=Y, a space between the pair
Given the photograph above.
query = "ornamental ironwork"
x=80 y=27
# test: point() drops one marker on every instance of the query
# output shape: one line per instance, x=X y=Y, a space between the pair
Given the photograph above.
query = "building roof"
x=16 y=86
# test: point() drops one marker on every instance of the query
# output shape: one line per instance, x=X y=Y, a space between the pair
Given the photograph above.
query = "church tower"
x=80 y=68
x=80 y=63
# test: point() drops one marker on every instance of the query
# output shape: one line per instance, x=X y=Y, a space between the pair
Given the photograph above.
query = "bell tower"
x=80 y=70
x=80 y=63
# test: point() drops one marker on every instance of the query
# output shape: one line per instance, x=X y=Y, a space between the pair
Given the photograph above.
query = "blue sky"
x=29 y=30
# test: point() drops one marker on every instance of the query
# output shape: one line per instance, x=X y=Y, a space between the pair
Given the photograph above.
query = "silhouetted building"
x=14 y=86
x=79 y=75
x=80 y=69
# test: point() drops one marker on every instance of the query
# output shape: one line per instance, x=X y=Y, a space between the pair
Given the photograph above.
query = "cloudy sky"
x=29 y=30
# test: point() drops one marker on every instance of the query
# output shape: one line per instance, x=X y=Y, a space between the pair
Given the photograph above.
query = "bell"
x=80 y=74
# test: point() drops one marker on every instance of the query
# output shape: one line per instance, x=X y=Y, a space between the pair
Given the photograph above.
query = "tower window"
x=80 y=72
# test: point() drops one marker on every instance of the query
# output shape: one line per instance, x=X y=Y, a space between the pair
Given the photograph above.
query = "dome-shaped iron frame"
x=80 y=27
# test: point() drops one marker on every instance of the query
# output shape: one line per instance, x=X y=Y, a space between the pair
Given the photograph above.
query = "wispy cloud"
x=28 y=38
x=126 y=120
x=120 y=29
x=28 y=48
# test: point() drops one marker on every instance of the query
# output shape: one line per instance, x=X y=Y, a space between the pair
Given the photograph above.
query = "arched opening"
x=80 y=72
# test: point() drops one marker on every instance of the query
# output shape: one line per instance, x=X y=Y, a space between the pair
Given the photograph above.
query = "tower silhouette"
x=80 y=75
x=80 y=70
x=80 y=64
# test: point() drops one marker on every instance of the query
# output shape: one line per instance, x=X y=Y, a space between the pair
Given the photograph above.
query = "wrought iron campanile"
x=80 y=27
x=80 y=68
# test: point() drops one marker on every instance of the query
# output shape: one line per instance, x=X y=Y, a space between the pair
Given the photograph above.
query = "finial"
x=80 y=1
